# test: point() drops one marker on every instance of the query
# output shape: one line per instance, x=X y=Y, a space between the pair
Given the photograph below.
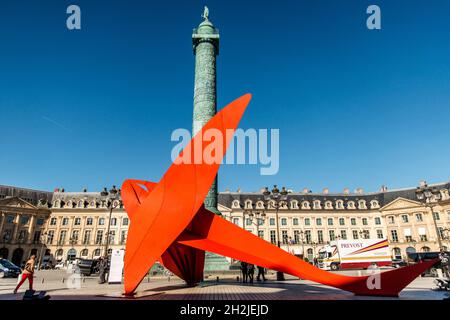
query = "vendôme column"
x=205 y=40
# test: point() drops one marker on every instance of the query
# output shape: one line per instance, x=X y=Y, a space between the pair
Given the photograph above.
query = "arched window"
x=397 y=253
x=294 y=204
x=328 y=205
x=362 y=204
x=84 y=252
x=260 y=205
x=410 y=250
x=426 y=249
x=351 y=205
x=80 y=204
x=248 y=204
x=71 y=254
x=59 y=253
x=339 y=204
x=96 y=253
x=236 y=204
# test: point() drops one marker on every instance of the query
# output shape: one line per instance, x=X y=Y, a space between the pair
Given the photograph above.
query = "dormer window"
x=351 y=205
x=305 y=205
x=236 y=204
x=362 y=204
x=294 y=204
x=374 y=204
x=248 y=204
x=328 y=205
x=339 y=204
x=317 y=204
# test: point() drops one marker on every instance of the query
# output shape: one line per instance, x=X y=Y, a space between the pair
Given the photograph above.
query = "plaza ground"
x=61 y=285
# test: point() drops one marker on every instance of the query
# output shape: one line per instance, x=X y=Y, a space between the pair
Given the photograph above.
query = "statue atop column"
x=205 y=13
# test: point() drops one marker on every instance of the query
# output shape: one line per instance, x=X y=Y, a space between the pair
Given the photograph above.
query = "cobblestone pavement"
x=62 y=285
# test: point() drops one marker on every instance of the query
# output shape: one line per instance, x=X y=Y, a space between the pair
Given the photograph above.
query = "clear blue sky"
x=355 y=108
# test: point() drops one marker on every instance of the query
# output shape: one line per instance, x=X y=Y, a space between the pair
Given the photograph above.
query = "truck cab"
x=328 y=258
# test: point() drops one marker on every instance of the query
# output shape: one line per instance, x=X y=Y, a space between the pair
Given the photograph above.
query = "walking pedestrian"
x=102 y=269
x=260 y=273
x=444 y=262
x=27 y=273
x=244 y=271
x=251 y=271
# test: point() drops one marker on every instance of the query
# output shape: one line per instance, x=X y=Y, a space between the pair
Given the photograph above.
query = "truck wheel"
x=334 y=266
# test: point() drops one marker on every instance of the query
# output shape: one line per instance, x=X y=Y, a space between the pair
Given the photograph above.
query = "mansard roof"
x=383 y=197
x=35 y=197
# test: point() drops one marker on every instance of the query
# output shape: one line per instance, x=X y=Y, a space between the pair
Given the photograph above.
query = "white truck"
x=354 y=254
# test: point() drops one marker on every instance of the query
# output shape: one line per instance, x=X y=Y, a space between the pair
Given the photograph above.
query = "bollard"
x=84 y=279
x=42 y=280
x=217 y=279
x=62 y=280
x=237 y=279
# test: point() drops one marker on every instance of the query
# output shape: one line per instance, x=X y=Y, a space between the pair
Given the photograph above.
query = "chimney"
x=423 y=183
x=383 y=188
x=326 y=191
x=346 y=191
x=359 y=191
x=305 y=190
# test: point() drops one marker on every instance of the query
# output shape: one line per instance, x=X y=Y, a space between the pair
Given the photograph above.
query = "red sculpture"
x=170 y=224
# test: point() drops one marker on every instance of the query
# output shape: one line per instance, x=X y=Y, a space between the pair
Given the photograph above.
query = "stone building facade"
x=68 y=225
x=308 y=220
x=23 y=217
x=78 y=225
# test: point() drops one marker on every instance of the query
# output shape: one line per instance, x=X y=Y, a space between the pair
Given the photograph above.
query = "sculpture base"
x=215 y=262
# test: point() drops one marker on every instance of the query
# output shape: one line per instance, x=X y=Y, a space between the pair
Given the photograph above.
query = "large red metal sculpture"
x=170 y=224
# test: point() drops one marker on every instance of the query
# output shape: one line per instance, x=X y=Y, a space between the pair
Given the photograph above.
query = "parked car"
x=426 y=256
x=397 y=263
x=8 y=269
x=87 y=266
x=47 y=265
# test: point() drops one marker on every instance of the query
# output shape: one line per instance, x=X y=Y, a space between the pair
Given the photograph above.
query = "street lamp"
x=277 y=196
x=314 y=245
x=302 y=239
x=112 y=205
x=430 y=197
x=260 y=218
x=41 y=256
